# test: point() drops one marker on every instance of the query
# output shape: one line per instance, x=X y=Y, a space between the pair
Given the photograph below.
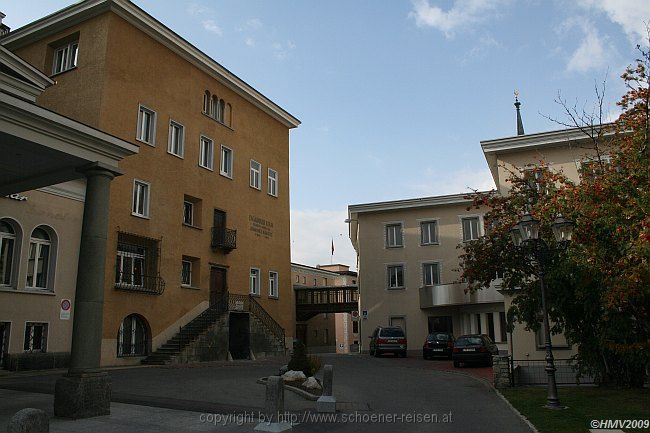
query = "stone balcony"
x=454 y=294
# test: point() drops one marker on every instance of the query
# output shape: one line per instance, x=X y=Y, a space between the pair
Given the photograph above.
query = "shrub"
x=299 y=360
x=314 y=365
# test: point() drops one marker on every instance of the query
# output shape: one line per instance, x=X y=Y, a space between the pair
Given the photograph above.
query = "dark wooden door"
x=218 y=284
x=219 y=220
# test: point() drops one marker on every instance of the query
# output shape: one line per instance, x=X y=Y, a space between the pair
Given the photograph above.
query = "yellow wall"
x=120 y=67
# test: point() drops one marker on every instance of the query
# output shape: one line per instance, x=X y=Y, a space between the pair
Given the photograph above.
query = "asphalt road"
x=379 y=394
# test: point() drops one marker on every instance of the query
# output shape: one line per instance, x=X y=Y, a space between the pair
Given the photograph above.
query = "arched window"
x=40 y=261
x=206 y=102
x=222 y=108
x=214 y=106
x=228 y=115
x=7 y=252
x=133 y=336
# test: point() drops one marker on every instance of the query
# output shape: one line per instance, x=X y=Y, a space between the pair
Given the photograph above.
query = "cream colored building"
x=567 y=151
x=326 y=332
x=408 y=255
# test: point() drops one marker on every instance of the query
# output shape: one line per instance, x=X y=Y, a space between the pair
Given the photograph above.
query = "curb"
x=300 y=392
x=482 y=380
x=514 y=409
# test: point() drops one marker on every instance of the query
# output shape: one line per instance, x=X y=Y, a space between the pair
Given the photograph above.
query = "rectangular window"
x=431 y=274
x=146 y=126
x=315 y=282
x=273 y=183
x=490 y=326
x=130 y=266
x=256 y=170
x=7 y=240
x=255 y=281
x=394 y=236
x=65 y=57
x=206 y=153
x=429 y=232
x=504 y=326
x=188 y=213
x=273 y=284
x=38 y=263
x=186 y=273
x=140 y=198
x=396 y=277
x=35 y=337
x=470 y=229
x=176 y=143
x=226 y=161
x=355 y=326
x=297 y=278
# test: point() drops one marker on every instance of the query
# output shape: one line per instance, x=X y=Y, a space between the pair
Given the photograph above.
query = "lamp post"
x=525 y=235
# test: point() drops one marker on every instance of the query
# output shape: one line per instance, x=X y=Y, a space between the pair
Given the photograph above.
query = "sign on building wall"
x=260 y=226
x=365 y=314
x=66 y=306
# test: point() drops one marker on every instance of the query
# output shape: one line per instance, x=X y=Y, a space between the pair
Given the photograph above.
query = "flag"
x=332 y=246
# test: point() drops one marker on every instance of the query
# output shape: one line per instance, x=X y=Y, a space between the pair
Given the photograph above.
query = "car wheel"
x=403 y=354
x=456 y=364
x=425 y=356
x=377 y=354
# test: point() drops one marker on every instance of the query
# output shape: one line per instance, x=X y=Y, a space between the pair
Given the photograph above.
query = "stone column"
x=497 y=326
x=473 y=326
x=327 y=402
x=85 y=391
x=484 y=324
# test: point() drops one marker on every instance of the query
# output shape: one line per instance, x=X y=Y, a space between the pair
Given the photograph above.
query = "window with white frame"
x=255 y=281
x=430 y=274
x=140 y=198
x=395 y=276
x=38 y=263
x=65 y=57
x=297 y=278
x=206 y=102
x=394 y=235
x=471 y=227
x=186 y=273
x=130 y=266
x=35 y=337
x=273 y=284
x=428 y=232
x=256 y=170
x=273 y=183
x=146 y=126
x=7 y=248
x=206 y=153
x=188 y=213
x=176 y=144
x=226 y=161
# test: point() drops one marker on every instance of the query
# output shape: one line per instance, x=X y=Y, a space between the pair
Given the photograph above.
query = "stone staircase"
x=196 y=340
x=187 y=334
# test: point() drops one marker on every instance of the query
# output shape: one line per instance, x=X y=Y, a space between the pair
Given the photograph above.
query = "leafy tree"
x=598 y=289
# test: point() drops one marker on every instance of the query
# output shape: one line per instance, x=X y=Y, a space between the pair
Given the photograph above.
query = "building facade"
x=408 y=252
x=408 y=259
x=331 y=331
x=203 y=209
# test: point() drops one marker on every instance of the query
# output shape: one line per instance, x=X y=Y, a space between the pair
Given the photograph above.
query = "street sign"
x=364 y=313
x=66 y=306
x=355 y=315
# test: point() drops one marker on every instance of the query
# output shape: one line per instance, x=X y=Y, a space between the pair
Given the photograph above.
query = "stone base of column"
x=326 y=404
x=83 y=395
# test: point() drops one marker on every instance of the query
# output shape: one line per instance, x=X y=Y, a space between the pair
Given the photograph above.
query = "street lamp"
x=525 y=235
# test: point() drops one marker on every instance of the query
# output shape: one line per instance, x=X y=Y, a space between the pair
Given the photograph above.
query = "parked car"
x=388 y=339
x=438 y=344
x=474 y=348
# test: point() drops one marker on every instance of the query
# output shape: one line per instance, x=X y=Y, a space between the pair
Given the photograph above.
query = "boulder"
x=284 y=369
x=292 y=375
x=311 y=383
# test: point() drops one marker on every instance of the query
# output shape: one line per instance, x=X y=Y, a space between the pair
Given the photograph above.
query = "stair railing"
x=266 y=319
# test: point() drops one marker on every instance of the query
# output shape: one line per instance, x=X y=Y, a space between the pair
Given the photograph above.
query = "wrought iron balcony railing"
x=223 y=239
x=149 y=284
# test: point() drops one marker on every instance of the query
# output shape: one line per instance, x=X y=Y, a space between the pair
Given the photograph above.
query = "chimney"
x=4 y=29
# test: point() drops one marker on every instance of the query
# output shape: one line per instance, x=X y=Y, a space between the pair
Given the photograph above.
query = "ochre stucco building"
x=203 y=209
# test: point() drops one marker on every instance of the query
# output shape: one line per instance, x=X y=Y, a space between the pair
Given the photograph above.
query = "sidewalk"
x=124 y=418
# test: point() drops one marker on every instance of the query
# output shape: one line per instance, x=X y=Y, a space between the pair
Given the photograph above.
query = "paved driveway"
x=363 y=385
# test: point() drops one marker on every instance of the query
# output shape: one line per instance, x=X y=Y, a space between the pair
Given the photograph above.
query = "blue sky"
x=395 y=95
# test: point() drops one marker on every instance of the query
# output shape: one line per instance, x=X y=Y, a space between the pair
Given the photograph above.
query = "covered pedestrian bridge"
x=311 y=300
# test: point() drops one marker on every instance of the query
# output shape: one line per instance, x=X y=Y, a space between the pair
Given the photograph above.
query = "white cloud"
x=281 y=51
x=250 y=42
x=594 y=50
x=629 y=14
x=196 y=9
x=481 y=48
x=212 y=27
x=464 y=180
x=462 y=14
x=312 y=232
x=254 y=23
